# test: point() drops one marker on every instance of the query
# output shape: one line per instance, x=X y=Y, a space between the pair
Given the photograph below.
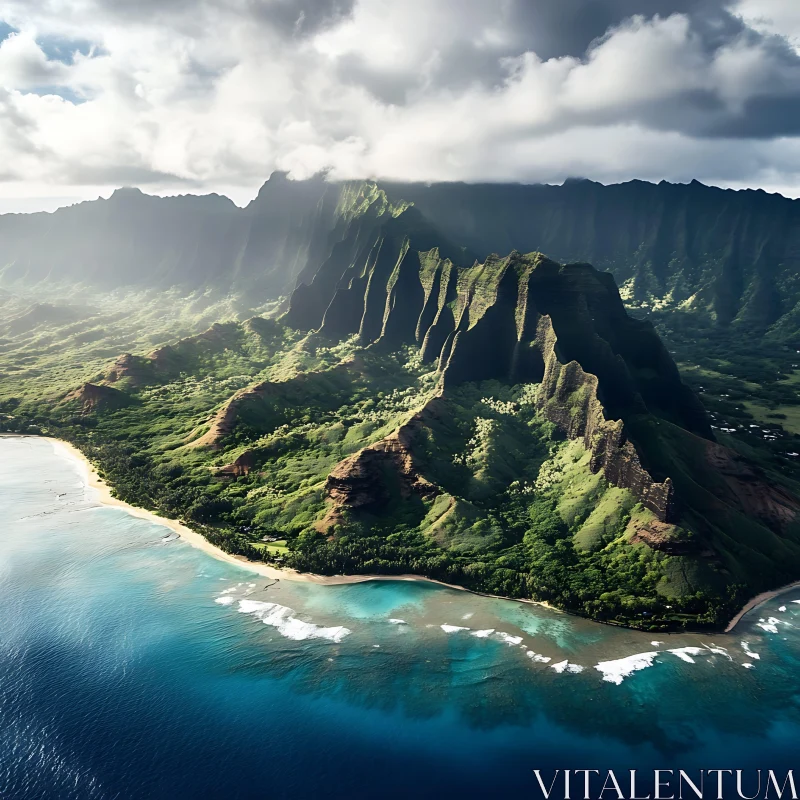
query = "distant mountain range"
x=731 y=256
x=422 y=404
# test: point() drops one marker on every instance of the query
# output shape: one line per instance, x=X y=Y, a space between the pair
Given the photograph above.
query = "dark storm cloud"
x=221 y=92
x=300 y=17
x=575 y=28
x=568 y=27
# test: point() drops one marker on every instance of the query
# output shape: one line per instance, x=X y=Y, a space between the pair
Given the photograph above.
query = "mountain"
x=134 y=240
x=731 y=257
x=498 y=422
x=438 y=397
x=603 y=378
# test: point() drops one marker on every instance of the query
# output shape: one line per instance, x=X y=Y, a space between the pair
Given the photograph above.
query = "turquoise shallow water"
x=131 y=666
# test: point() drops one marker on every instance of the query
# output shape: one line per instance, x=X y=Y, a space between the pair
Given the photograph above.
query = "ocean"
x=135 y=666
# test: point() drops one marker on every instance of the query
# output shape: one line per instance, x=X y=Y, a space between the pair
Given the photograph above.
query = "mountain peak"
x=128 y=191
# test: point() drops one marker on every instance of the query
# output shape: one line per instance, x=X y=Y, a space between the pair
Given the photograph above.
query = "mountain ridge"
x=497 y=421
x=729 y=255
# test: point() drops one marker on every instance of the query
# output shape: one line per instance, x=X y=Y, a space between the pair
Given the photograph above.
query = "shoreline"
x=198 y=541
x=105 y=498
x=759 y=600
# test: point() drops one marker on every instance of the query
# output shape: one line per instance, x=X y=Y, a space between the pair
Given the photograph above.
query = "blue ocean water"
x=133 y=666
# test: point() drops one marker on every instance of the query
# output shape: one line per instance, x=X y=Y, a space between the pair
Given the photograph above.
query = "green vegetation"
x=500 y=424
x=515 y=511
x=748 y=382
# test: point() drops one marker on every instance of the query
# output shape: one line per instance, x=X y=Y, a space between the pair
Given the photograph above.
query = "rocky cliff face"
x=368 y=479
x=733 y=256
x=521 y=319
x=568 y=397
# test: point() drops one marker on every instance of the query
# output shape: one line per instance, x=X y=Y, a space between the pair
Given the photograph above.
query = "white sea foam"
x=469 y=615
x=749 y=653
x=720 y=651
x=398 y=621
x=565 y=666
x=656 y=644
x=770 y=625
x=508 y=638
x=483 y=634
x=225 y=601
x=617 y=671
x=796 y=601
x=280 y=618
x=686 y=653
x=539 y=658
x=452 y=628
x=748 y=666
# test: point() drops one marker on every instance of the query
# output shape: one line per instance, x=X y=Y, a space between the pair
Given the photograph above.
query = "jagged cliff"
x=603 y=377
x=518 y=319
x=501 y=424
x=731 y=256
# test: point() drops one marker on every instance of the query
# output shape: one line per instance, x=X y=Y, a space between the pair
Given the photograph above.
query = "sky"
x=178 y=96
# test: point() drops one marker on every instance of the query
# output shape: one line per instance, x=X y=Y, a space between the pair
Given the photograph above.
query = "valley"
x=503 y=423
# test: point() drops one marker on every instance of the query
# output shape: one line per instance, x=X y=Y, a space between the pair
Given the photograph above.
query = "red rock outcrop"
x=661 y=536
x=240 y=467
x=362 y=481
x=92 y=397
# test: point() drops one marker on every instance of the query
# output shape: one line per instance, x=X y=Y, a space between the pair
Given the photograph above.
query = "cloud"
x=210 y=94
x=775 y=17
x=24 y=65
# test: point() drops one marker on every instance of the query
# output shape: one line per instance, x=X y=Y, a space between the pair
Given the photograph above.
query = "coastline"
x=759 y=600
x=103 y=495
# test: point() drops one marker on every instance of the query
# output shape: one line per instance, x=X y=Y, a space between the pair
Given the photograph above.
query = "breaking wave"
x=281 y=618
x=617 y=671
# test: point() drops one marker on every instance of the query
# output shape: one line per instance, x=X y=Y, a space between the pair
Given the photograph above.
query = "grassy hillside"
x=340 y=455
x=513 y=510
x=501 y=423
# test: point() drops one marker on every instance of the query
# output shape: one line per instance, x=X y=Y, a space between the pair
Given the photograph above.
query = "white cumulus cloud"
x=215 y=94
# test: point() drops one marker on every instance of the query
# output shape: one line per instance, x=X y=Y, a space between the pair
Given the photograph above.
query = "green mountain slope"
x=423 y=405
x=731 y=255
x=503 y=425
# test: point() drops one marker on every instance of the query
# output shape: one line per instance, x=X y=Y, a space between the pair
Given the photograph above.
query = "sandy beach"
x=102 y=493
x=759 y=600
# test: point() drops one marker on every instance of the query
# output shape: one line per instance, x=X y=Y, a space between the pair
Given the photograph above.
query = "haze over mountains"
x=733 y=256
x=439 y=394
